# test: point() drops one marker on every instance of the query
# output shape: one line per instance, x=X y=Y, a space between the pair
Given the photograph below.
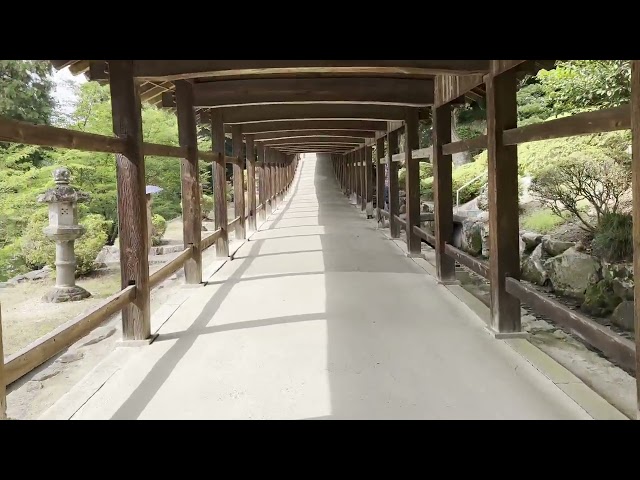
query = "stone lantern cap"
x=63 y=192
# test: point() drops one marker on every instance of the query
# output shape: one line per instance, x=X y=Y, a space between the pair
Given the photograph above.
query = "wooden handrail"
x=233 y=222
x=475 y=265
x=45 y=347
x=424 y=235
x=209 y=240
x=170 y=267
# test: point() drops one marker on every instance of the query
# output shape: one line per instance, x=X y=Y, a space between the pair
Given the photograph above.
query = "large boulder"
x=484 y=231
x=472 y=236
x=571 y=272
x=41 y=274
x=555 y=247
x=623 y=316
x=531 y=241
x=109 y=255
x=533 y=268
x=623 y=287
x=600 y=299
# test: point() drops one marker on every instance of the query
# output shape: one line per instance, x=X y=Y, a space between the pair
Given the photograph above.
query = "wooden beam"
x=635 y=147
x=314 y=141
x=382 y=91
x=251 y=182
x=314 y=133
x=449 y=88
x=503 y=201
x=302 y=125
x=312 y=111
x=394 y=195
x=380 y=177
x=183 y=69
x=219 y=173
x=238 y=184
x=132 y=205
x=190 y=175
x=443 y=193
x=368 y=152
x=412 y=142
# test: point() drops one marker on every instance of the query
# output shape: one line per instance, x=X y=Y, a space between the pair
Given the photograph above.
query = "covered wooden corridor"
x=319 y=314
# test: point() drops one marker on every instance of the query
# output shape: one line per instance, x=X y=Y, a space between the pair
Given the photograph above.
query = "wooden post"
x=261 y=181
x=251 y=181
x=412 y=188
x=238 y=182
x=272 y=167
x=132 y=205
x=267 y=181
x=380 y=176
x=504 y=252
x=354 y=178
x=190 y=175
x=219 y=172
x=443 y=193
x=394 y=194
x=3 y=382
x=368 y=151
x=635 y=132
x=363 y=180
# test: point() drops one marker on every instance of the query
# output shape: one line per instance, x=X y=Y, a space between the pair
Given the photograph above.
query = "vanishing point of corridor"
x=320 y=316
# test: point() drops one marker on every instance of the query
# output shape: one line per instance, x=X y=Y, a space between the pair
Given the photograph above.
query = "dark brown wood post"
x=443 y=193
x=261 y=183
x=363 y=181
x=238 y=182
x=504 y=252
x=354 y=178
x=190 y=175
x=219 y=172
x=368 y=151
x=272 y=167
x=412 y=188
x=132 y=203
x=251 y=181
x=3 y=381
x=635 y=131
x=394 y=193
x=380 y=163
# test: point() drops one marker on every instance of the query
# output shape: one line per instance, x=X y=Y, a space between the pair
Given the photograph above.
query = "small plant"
x=159 y=226
x=613 y=240
x=206 y=205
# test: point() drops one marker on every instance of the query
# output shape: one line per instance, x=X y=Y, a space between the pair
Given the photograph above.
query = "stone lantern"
x=64 y=229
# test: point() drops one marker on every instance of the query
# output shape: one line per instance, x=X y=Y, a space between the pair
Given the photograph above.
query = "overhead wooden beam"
x=314 y=133
x=314 y=141
x=384 y=91
x=183 y=69
x=451 y=87
x=312 y=111
x=302 y=125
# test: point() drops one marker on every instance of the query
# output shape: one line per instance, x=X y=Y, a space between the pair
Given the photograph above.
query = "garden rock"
x=531 y=240
x=471 y=241
x=533 y=268
x=109 y=255
x=600 y=299
x=571 y=272
x=623 y=316
x=555 y=247
x=623 y=287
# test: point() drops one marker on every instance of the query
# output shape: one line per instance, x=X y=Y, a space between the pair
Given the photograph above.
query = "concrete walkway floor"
x=320 y=316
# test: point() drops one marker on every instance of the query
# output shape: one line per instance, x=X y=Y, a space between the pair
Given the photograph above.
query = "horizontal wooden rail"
x=170 y=267
x=465 y=145
x=608 y=342
x=259 y=207
x=609 y=120
x=233 y=222
x=41 y=350
x=475 y=265
x=384 y=213
x=209 y=240
x=47 y=136
x=420 y=154
x=424 y=235
x=402 y=222
x=157 y=150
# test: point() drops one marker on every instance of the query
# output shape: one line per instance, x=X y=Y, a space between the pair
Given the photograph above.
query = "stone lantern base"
x=66 y=294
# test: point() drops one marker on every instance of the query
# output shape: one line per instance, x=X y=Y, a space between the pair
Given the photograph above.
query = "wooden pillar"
x=132 y=205
x=190 y=175
x=363 y=181
x=251 y=181
x=3 y=382
x=412 y=188
x=354 y=178
x=380 y=176
x=635 y=132
x=261 y=183
x=368 y=151
x=443 y=193
x=219 y=172
x=394 y=194
x=238 y=182
x=272 y=168
x=504 y=253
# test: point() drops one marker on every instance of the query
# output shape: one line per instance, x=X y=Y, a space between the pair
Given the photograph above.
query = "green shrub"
x=206 y=205
x=613 y=239
x=542 y=221
x=38 y=251
x=11 y=261
x=158 y=228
